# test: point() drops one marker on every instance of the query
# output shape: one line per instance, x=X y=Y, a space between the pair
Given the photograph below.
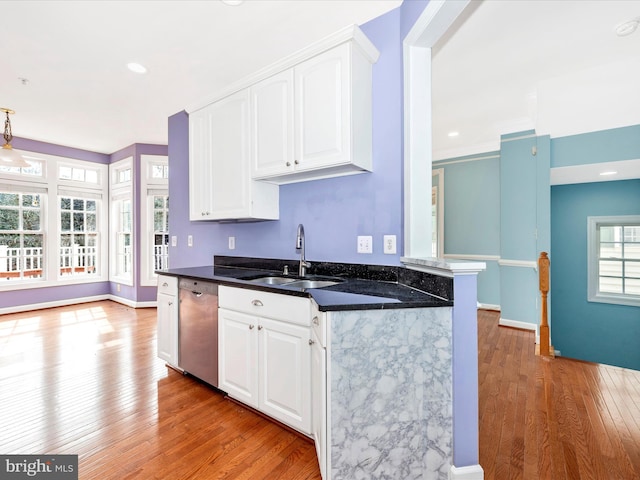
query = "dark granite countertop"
x=361 y=287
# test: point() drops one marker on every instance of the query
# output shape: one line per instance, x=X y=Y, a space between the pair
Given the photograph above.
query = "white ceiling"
x=556 y=66
x=79 y=92
x=553 y=66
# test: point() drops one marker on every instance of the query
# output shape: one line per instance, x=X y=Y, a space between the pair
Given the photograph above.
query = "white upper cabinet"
x=328 y=110
x=309 y=117
x=220 y=184
x=272 y=122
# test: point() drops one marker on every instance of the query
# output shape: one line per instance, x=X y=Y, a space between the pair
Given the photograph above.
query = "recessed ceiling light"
x=232 y=3
x=611 y=172
x=453 y=134
x=627 y=28
x=136 y=67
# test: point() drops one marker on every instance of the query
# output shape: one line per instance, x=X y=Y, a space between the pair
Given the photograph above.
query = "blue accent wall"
x=472 y=215
x=597 y=332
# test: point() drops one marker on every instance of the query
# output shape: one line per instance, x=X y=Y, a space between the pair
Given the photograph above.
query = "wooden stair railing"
x=544 y=348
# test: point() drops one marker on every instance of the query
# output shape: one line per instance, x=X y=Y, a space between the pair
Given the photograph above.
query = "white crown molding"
x=347 y=34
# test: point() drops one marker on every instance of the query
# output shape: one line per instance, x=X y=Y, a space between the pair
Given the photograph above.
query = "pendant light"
x=8 y=156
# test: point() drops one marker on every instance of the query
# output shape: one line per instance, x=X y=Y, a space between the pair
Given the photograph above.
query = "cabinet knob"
x=170 y=303
x=260 y=327
x=296 y=162
x=288 y=164
x=251 y=327
x=315 y=320
x=256 y=303
x=311 y=342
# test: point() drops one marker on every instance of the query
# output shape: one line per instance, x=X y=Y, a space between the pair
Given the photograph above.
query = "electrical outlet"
x=190 y=241
x=365 y=244
x=117 y=287
x=389 y=244
x=232 y=243
x=174 y=241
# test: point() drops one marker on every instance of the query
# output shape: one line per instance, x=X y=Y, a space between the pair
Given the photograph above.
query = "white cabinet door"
x=322 y=110
x=237 y=356
x=167 y=334
x=167 y=315
x=231 y=177
x=272 y=125
x=319 y=401
x=284 y=366
x=220 y=183
x=200 y=165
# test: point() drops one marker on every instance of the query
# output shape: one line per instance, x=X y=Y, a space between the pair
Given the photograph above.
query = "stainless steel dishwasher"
x=198 y=329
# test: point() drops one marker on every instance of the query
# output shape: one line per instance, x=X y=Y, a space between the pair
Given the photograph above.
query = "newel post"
x=544 y=348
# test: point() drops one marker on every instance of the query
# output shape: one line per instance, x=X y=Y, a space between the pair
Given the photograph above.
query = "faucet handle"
x=285 y=271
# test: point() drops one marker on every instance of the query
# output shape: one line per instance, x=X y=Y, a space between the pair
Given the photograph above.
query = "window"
x=122 y=222
x=154 y=244
x=50 y=222
x=614 y=259
x=21 y=235
x=160 y=231
x=78 y=236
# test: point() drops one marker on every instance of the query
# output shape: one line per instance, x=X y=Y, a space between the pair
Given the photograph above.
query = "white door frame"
x=432 y=24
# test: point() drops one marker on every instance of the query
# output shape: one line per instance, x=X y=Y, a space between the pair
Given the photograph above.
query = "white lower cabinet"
x=167 y=308
x=319 y=401
x=265 y=361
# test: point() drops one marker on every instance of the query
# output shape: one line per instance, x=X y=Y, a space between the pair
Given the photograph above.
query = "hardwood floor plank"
x=85 y=380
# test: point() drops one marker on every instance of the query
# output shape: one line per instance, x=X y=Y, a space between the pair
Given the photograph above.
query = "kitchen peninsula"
x=382 y=360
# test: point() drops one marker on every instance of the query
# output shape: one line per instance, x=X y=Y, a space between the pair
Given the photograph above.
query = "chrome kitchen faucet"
x=300 y=246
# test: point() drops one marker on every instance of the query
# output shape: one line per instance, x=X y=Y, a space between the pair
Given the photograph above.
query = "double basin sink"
x=297 y=282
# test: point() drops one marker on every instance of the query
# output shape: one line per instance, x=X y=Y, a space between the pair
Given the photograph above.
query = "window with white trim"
x=122 y=222
x=50 y=222
x=79 y=236
x=614 y=259
x=21 y=234
x=154 y=244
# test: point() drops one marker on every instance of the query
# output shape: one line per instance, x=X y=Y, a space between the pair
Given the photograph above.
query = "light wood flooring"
x=84 y=380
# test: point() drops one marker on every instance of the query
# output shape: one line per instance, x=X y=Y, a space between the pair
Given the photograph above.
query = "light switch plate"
x=174 y=241
x=365 y=244
x=190 y=241
x=232 y=243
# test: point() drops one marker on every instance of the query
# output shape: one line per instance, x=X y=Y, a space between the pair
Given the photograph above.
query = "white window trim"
x=50 y=216
x=120 y=191
x=593 y=293
x=149 y=185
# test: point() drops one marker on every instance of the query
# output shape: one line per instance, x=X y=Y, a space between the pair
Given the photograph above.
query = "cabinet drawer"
x=168 y=285
x=266 y=304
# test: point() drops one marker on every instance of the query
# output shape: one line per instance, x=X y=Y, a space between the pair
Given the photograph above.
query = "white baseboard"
x=472 y=472
x=131 y=303
x=505 y=322
x=73 y=301
x=489 y=306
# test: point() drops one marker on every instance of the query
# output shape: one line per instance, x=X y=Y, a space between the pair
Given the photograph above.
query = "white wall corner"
x=472 y=472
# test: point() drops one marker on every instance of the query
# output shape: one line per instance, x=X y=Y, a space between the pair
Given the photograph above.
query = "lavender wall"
x=334 y=211
x=137 y=293
x=70 y=292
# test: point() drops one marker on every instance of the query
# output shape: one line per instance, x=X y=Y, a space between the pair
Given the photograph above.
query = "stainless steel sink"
x=312 y=283
x=296 y=282
x=271 y=280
